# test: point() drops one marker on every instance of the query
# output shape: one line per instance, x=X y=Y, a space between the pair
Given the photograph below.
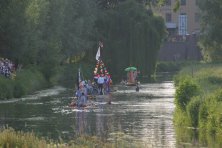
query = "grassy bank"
x=198 y=102
x=10 y=138
x=26 y=82
x=31 y=79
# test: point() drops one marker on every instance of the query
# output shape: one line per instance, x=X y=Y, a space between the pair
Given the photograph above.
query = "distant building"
x=185 y=21
x=183 y=27
x=180 y=50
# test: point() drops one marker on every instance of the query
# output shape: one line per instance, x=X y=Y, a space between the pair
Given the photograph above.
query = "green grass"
x=26 y=82
x=9 y=138
x=204 y=113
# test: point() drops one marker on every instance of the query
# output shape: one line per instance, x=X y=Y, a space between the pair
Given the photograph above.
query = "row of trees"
x=132 y=37
x=44 y=33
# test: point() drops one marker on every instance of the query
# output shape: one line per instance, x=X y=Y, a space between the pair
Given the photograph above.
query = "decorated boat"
x=131 y=76
x=102 y=77
x=100 y=88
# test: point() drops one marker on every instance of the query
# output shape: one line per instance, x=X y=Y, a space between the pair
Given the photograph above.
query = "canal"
x=145 y=116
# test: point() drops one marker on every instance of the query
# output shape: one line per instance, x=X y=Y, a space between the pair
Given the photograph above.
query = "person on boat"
x=75 y=100
x=85 y=90
x=95 y=78
x=100 y=82
x=89 y=87
x=108 y=83
x=137 y=87
x=77 y=93
x=82 y=100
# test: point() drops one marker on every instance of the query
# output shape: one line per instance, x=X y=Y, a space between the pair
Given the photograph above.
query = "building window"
x=182 y=26
x=168 y=17
x=168 y=2
x=183 y=2
x=197 y=17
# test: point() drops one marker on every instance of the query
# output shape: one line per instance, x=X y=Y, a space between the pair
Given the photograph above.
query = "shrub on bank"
x=11 y=139
x=6 y=88
x=31 y=80
x=68 y=74
x=26 y=82
x=171 y=66
x=184 y=92
x=193 y=110
x=210 y=114
x=203 y=111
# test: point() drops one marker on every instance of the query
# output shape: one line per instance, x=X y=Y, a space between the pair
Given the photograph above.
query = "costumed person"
x=82 y=100
x=137 y=87
x=89 y=87
x=108 y=83
x=100 y=84
x=75 y=100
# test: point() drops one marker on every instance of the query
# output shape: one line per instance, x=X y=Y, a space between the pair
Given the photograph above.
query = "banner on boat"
x=98 y=54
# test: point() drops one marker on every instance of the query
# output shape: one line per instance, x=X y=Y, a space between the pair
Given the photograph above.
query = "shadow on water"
x=144 y=116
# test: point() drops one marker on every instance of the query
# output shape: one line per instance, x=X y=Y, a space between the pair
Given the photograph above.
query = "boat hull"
x=130 y=84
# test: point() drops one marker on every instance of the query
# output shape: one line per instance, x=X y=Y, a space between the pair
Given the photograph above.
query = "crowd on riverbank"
x=7 y=68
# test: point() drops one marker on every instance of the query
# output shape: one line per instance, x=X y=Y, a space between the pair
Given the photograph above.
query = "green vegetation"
x=68 y=73
x=10 y=138
x=185 y=91
x=172 y=66
x=211 y=33
x=132 y=37
x=199 y=104
x=27 y=81
x=55 y=37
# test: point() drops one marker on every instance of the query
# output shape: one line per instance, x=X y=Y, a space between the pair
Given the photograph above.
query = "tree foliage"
x=211 y=33
x=132 y=36
x=44 y=33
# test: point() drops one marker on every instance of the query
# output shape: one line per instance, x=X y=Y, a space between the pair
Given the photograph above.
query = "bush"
x=210 y=118
x=68 y=74
x=193 y=110
x=10 y=139
x=26 y=82
x=19 y=90
x=184 y=92
x=31 y=79
x=6 y=88
x=203 y=117
x=168 y=66
x=214 y=79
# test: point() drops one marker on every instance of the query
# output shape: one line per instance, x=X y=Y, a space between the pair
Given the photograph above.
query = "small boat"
x=131 y=76
x=130 y=84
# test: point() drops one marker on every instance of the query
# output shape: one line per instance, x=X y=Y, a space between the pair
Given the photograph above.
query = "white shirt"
x=101 y=80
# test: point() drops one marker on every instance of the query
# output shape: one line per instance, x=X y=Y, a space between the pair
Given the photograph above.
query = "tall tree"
x=211 y=33
x=132 y=36
x=12 y=28
x=78 y=26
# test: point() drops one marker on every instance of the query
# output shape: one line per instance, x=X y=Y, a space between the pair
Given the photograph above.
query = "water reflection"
x=81 y=122
x=144 y=116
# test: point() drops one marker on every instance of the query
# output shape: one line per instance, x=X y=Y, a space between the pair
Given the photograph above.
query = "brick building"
x=183 y=27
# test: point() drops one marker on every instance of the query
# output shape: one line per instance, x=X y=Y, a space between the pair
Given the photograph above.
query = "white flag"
x=98 y=54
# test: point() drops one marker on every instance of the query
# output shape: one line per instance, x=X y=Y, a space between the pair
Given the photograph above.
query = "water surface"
x=144 y=116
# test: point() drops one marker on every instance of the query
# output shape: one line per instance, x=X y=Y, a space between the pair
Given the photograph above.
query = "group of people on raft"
x=87 y=89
